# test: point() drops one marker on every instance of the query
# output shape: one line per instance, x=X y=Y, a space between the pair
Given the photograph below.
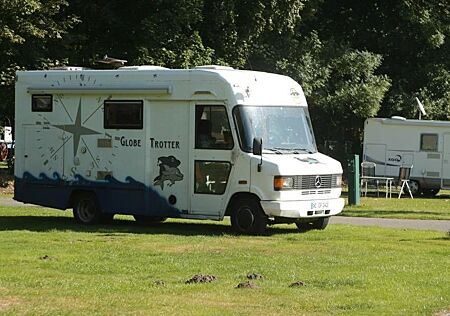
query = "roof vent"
x=69 y=68
x=113 y=62
x=214 y=67
x=400 y=118
x=143 y=67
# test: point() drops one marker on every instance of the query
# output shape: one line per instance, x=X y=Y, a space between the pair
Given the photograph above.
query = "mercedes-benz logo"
x=318 y=182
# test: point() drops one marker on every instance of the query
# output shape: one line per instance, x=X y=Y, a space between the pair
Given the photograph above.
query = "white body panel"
x=130 y=170
x=392 y=143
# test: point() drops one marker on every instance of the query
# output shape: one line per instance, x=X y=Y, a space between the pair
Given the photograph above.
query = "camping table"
x=387 y=180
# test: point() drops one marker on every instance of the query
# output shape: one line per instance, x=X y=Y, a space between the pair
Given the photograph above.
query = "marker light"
x=339 y=180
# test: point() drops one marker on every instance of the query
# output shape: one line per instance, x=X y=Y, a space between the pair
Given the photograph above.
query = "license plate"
x=319 y=205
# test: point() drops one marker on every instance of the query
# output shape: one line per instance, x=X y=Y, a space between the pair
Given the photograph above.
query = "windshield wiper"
x=309 y=151
x=275 y=150
x=293 y=150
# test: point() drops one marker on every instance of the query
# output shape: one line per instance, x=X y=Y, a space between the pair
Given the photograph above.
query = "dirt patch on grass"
x=254 y=276
x=247 y=285
x=200 y=278
x=444 y=312
x=7 y=302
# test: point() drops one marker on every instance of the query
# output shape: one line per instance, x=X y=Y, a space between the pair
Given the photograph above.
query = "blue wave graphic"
x=114 y=196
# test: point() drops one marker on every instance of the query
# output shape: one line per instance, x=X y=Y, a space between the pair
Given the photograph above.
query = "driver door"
x=211 y=159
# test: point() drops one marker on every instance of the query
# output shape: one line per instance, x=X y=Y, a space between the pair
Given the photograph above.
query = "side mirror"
x=257 y=146
x=257 y=150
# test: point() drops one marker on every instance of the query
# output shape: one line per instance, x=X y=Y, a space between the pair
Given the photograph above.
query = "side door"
x=211 y=158
x=376 y=153
x=168 y=164
x=446 y=162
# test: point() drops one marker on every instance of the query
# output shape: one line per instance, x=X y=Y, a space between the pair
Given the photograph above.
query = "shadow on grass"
x=60 y=223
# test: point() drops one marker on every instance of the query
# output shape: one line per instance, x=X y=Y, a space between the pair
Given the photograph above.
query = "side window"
x=212 y=128
x=41 y=103
x=429 y=142
x=123 y=114
x=211 y=177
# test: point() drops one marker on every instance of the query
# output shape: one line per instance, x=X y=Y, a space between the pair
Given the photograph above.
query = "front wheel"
x=320 y=224
x=247 y=217
x=86 y=210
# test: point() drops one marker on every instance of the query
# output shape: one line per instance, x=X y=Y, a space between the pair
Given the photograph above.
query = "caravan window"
x=429 y=142
x=123 y=114
x=41 y=103
x=212 y=128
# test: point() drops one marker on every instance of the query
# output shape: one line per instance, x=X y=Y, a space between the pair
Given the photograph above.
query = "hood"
x=300 y=164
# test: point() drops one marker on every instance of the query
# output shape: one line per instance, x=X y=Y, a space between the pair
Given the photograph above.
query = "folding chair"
x=368 y=170
x=403 y=180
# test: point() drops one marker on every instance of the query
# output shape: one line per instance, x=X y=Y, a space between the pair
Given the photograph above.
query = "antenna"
x=421 y=108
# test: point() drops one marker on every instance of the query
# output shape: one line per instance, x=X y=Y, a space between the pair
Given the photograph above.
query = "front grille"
x=310 y=182
x=316 y=192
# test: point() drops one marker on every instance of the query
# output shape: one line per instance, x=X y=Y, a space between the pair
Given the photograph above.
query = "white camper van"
x=422 y=144
x=152 y=142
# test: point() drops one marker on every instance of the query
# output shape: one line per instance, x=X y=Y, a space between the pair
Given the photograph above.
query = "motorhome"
x=423 y=145
x=152 y=142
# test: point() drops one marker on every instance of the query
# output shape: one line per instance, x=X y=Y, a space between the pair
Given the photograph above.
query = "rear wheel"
x=320 y=223
x=247 y=217
x=86 y=210
x=148 y=220
x=414 y=186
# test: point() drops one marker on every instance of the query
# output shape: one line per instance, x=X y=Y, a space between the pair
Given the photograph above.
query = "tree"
x=411 y=36
x=30 y=31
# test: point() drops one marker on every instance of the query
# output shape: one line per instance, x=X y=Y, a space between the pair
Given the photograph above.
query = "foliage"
x=30 y=31
x=354 y=59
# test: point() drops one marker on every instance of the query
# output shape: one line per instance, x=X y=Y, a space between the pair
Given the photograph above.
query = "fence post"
x=354 y=193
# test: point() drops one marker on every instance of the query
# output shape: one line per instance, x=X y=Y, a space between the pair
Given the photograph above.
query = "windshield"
x=282 y=128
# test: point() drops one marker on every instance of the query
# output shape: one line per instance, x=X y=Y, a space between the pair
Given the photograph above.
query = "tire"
x=430 y=192
x=247 y=217
x=414 y=186
x=148 y=220
x=320 y=224
x=86 y=210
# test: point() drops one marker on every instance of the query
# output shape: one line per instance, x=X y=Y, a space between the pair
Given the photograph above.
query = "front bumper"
x=303 y=209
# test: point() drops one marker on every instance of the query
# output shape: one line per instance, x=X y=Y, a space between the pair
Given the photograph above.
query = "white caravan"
x=152 y=142
x=422 y=144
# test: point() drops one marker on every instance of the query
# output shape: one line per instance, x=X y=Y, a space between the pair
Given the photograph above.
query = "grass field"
x=50 y=265
x=418 y=208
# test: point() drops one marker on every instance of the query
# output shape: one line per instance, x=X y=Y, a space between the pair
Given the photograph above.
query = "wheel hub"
x=245 y=218
x=86 y=211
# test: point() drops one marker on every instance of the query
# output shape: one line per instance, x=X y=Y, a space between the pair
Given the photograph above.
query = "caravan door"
x=211 y=159
x=377 y=153
x=167 y=161
x=446 y=162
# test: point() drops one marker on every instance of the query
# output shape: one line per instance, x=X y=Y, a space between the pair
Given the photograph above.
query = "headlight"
x=283 y=183
x=339 y=180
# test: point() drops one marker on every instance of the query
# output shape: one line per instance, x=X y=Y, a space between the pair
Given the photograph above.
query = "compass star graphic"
x=76 y=129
